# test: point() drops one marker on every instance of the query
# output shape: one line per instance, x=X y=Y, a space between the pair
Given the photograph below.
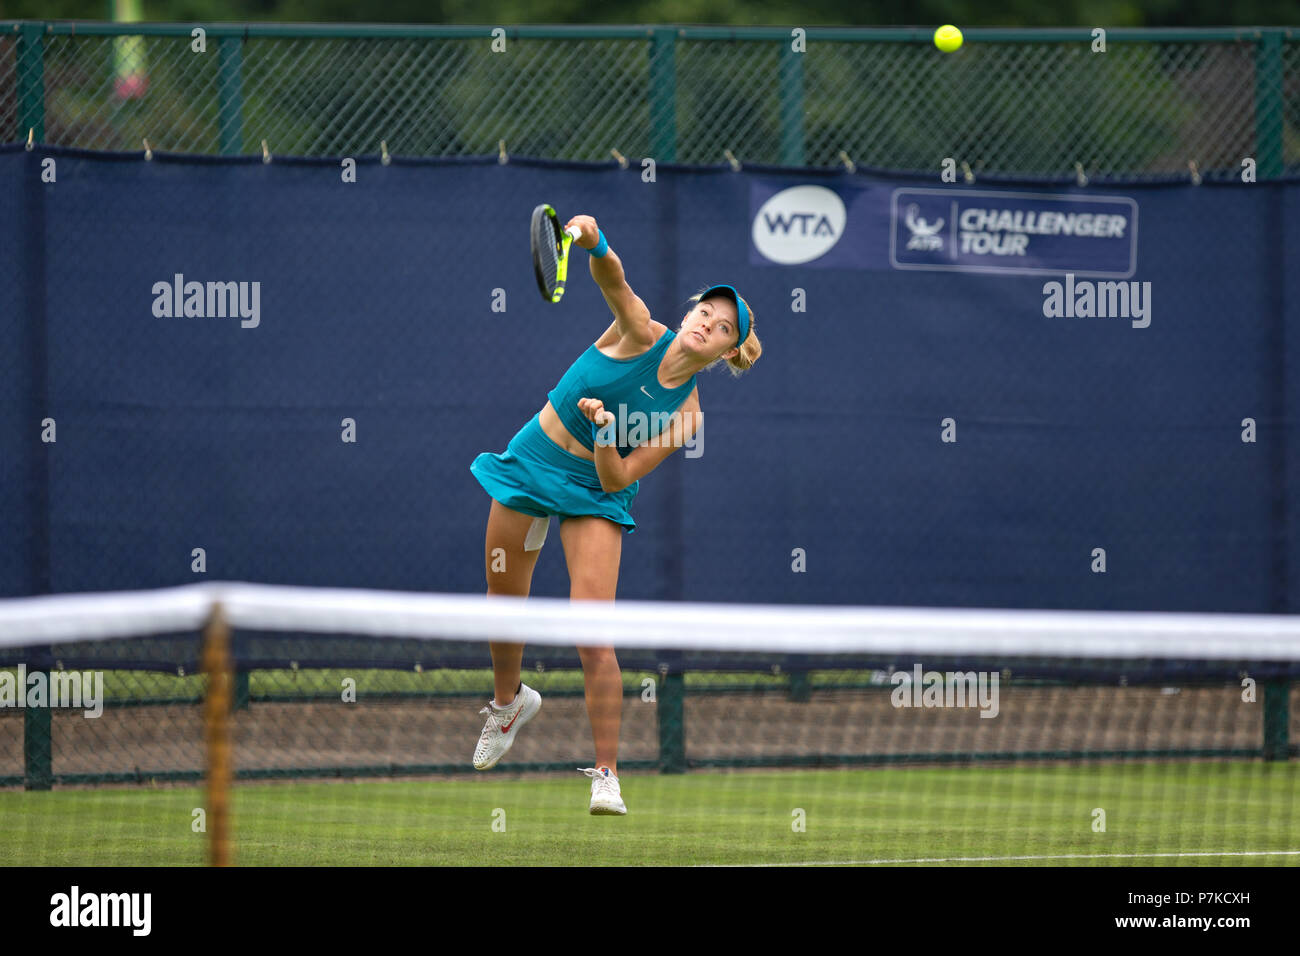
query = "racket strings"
x=547 y=243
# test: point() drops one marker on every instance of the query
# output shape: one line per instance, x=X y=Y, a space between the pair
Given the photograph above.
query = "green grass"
x=894 y=814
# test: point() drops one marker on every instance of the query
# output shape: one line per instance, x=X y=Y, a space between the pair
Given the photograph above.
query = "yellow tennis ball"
x=947 y=38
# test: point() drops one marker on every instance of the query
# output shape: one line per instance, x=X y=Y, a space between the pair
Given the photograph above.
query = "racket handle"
x=574 y=233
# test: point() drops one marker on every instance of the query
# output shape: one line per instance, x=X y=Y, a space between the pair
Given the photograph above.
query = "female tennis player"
x=572 y=460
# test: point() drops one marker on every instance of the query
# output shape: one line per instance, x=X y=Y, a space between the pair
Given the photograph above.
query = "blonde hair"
x=750 y=349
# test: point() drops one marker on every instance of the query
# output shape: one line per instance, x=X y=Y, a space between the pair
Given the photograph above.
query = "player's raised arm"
x=631 y=317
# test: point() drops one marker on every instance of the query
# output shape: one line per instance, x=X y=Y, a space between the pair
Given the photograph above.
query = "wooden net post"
x=216 y=727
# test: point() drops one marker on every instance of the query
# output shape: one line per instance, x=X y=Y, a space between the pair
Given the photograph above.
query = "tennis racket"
x=551 y=252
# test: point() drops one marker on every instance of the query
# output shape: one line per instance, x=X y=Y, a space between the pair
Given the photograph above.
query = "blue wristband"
x=601 y=247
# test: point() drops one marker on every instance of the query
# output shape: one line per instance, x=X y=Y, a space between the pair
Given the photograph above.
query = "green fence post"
x=1277 y=717
x=230 y=97
x=1268 y=162
x=800 y=686
x=672 y=723
x=1268 y=105
x=240 y=691
x=663 y=95
x=31 y=81
x=38 y=756
x=38 y=747
x=230 y=109
x=792 y=105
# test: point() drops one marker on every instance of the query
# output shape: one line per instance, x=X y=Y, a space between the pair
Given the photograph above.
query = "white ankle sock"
x=512 y=702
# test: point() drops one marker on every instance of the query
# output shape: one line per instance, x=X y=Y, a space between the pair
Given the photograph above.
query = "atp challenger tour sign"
x=1015 y=233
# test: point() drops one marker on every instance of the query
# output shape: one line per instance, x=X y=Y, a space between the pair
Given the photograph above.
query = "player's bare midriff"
x=557 y=433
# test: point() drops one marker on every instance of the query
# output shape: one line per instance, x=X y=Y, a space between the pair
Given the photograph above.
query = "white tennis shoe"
x=606 y=800
x=503 y=725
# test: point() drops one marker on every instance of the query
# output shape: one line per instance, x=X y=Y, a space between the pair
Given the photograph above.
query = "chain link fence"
x=1155 y=103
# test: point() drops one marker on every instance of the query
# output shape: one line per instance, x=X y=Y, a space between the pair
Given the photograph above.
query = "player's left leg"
x=509 y=564
x=592 y=549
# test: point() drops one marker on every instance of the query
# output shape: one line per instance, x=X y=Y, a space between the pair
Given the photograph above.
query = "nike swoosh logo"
x=506 y=728
x=647 y=394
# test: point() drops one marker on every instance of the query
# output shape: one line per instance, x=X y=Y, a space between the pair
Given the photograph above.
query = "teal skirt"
x=537 y=477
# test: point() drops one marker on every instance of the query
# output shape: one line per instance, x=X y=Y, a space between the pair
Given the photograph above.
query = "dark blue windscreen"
x=380 y=301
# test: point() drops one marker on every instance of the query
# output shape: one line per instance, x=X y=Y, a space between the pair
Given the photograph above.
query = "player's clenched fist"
x=595 y=409
x=590 y=231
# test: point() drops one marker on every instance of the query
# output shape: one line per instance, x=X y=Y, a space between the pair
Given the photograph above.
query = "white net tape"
x=796 y=629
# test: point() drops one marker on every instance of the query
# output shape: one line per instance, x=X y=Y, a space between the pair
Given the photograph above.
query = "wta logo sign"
x=798 y=225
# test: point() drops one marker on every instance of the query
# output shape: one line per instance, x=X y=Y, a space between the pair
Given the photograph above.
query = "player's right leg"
x=509 y=572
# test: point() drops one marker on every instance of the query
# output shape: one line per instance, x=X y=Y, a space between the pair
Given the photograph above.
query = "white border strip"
x=1018 y=859
x=770 y=628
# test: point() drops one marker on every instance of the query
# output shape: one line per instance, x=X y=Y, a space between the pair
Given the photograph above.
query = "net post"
x=216 y=728
x=672 y=720
x=38 y=748
x=1277 y=716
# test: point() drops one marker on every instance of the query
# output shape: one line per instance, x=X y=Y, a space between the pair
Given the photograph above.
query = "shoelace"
x=603 y=782
x=493 y=724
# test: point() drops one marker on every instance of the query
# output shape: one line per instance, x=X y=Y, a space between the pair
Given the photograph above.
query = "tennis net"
x=276 y=725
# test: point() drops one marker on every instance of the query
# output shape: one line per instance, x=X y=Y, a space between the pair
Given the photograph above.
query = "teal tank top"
x=629 y=388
